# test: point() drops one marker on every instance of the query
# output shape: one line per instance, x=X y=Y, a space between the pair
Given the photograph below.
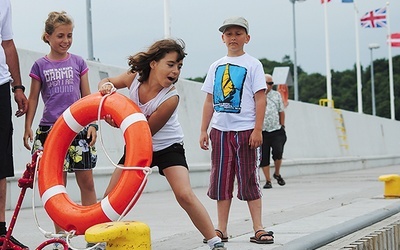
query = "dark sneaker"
x=100 y=246
x=219 y=246
x=280 y=180
x=268 y=185
x=14 y=243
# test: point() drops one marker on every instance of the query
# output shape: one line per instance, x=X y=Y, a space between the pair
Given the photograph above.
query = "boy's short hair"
x=235 y=21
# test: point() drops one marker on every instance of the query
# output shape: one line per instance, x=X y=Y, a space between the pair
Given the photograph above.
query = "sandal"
x=257 y=238
x=220 y=235
x=280 y=180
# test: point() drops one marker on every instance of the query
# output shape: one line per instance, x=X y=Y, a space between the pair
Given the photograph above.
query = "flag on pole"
x=374 y=19
x=394 y=40
x=322 y=1
x=347 y=1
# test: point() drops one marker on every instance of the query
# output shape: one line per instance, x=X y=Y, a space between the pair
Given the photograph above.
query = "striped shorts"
x=231 y=157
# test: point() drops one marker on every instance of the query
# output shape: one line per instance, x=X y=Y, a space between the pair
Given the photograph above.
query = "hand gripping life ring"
x=61 y=209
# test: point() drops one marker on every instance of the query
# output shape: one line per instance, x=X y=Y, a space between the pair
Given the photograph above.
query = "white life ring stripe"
x=71 y=122
x=59 y=189
x=130 y=119
x=109 y=210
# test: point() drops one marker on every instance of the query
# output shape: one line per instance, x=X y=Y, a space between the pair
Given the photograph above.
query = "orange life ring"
x=61 y=209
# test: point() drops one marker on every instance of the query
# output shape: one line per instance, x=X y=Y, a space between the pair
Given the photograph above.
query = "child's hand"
x=91 y=135
x=110 y=120
x=28 y=138
x=204 y=141
x=107 y=88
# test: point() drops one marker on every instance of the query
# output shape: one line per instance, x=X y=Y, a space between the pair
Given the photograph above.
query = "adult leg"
x=3 y=198
x=6 y=148
x=277 y=166
x=266 y=172
x=265 y=158
x=278 y=142
x=178 y=179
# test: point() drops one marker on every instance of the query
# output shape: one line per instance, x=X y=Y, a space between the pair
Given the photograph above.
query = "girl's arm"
x=163 y=113
x=30 y=113
x=85 y=90
x=123 y=80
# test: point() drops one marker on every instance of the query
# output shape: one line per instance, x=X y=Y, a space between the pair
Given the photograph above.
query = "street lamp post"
x=296 y=87
x=89 y=30
x=371 y=47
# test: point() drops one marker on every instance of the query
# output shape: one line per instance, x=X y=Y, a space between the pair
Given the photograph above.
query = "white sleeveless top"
x=171 y=132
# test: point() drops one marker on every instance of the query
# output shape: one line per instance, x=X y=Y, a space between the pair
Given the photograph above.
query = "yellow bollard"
x=120 y=235
x=392 y=185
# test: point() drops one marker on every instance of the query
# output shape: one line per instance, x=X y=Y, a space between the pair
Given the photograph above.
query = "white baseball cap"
x=235 y=21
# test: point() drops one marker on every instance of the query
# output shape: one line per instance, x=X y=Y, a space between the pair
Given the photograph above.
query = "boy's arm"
x=260 y=102
x=208 y=110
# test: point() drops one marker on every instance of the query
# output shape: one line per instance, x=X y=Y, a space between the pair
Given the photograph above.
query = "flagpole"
x=358 y=64
x=328 y=66
x=167 y=30
x=391 y=84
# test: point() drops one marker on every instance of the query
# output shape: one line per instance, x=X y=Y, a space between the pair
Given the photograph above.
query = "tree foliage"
x=312 y=87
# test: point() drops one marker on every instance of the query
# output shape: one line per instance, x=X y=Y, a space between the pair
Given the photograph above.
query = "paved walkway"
x=308 y=206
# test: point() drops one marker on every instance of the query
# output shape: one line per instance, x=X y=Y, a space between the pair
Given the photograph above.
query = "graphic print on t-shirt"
x=60 y=80
x=228 y=88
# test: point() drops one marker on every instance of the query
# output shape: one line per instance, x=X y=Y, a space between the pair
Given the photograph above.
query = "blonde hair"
x=54 y=20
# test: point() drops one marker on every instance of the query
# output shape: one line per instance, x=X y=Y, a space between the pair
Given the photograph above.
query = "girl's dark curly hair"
x=140 y=62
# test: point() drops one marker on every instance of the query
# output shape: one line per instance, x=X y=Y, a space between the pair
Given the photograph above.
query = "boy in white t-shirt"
x=235 y=107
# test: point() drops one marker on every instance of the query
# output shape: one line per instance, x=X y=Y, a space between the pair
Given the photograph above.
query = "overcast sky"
x=124 y=27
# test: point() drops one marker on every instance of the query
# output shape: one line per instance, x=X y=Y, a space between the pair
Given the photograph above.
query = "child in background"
x=235 y=103
x=150 y=81
x=62 y=79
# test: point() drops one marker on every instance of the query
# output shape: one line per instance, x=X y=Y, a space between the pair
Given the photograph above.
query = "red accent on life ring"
x=61 y=209
x=284 y=91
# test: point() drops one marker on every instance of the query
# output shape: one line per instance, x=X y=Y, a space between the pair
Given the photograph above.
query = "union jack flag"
x=374 y=19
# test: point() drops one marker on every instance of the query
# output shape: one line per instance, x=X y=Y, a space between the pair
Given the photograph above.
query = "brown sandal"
x=257 y=238
x=220 y=235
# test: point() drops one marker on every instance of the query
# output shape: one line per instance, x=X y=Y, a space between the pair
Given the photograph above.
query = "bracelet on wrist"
x=22 y=87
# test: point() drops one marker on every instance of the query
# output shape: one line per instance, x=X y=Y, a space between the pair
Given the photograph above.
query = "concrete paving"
x=308 y=209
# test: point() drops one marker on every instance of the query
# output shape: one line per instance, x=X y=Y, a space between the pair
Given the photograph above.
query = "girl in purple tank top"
x=62 y=78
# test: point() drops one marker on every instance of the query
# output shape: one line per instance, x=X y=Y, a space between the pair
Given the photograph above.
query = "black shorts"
x=274 y=140
x=173 y=155
x=6 y=133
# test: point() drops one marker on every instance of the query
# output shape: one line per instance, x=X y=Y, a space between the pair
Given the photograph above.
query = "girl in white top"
x=150 y=81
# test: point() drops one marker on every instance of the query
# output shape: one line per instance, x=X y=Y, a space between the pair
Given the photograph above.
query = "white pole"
x=89 y=30
x=373 y=46
x=358 y=65
x=391 y=85
x=328 y=66
x=167 y=31
x=296 y=86
x=372 y=85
